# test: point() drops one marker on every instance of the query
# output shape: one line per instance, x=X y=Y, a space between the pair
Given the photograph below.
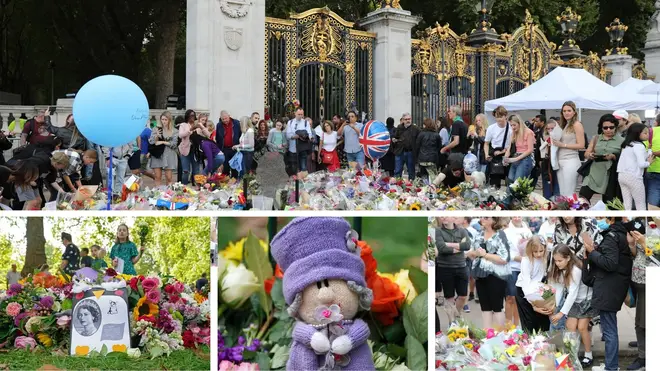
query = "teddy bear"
x=324 y=286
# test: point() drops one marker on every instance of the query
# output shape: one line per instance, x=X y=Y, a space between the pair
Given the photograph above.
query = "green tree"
x=35 y=253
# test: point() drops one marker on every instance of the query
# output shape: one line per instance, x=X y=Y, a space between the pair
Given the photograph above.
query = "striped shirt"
x=75 y=162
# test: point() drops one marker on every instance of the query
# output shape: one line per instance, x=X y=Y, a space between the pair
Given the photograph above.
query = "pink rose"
x=490 y=334
x=22 y=342
x=153 y=296
x=63 y=321
x=226 y=366
x=248 y=367
x=150 y=283
x=179 y=287
x=13 y=309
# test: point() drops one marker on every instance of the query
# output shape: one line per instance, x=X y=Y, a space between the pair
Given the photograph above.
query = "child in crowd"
x=85 y=259
x=532 y=270
x=99 y=254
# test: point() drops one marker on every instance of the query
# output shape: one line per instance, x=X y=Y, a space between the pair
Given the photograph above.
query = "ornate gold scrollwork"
x=390 y=4
x=322 y=39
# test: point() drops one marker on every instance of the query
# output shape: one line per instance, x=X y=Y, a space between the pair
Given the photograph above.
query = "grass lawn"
x=178 y=360
x=397 y=242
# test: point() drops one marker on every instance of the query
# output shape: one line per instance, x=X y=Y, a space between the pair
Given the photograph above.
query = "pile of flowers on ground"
x=165 y=314
x=351 y=189
x=213 y=193
x=653 y=240
x=467 y=348
x=255 y=329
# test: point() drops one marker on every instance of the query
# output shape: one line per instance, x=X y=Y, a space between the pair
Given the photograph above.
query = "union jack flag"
x=375 y=139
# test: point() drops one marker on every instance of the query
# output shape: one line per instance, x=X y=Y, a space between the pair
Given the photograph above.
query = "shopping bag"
x=236 y=162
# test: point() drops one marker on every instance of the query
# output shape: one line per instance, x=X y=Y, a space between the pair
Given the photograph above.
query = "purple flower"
x=47 y=302
x=18 y=318
x=241 y=340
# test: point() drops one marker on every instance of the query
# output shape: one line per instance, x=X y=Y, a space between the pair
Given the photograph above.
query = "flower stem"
x=266 y=325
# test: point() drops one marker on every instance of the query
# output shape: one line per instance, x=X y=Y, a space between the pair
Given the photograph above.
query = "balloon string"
x=110 y=180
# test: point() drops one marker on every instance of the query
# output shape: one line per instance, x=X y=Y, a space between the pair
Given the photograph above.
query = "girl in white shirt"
x=634 y=159
x=246 y=144
x=532 y=270
x=565 y=277
x=518 y=233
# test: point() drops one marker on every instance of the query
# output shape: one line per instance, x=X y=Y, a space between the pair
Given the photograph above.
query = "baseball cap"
x=621 y=114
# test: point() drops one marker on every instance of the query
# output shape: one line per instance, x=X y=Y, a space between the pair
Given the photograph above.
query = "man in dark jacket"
x=405 y=138
x=538 y=127
x=427 y=148
x=611 y=265
x=227 y=135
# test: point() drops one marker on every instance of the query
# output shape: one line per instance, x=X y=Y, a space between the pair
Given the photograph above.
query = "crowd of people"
x=621 y=161
x=124 y=255
x=594 y=266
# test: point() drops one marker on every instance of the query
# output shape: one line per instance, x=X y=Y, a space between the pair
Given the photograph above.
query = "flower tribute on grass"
x=35 y=314
x=255 y=329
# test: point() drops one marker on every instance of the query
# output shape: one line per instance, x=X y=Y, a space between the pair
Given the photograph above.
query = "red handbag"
x=328 y=157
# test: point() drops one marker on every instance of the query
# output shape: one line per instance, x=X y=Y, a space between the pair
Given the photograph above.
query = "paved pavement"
x=626 y=321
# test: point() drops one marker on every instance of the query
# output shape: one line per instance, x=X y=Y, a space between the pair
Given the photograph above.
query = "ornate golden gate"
x=319 y=59
x=443 y=74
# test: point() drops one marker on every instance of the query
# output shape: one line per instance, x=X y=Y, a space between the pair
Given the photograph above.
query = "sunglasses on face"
x=608 y=127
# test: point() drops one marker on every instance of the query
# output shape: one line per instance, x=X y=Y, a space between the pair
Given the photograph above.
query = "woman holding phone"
x=163 y=145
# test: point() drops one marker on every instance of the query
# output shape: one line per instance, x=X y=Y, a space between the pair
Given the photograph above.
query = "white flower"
x=134 y=353
x=238 y=284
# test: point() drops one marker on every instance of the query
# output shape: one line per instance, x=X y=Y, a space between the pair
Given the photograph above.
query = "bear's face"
x=324 y=294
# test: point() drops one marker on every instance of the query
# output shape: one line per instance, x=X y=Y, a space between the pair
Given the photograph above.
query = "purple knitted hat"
x=313 y=249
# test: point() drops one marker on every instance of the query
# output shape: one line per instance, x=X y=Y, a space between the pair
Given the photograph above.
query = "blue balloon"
x=374 y=139
x=110 y=110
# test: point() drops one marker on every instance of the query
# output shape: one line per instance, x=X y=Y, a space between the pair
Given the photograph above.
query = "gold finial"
x=528 y=17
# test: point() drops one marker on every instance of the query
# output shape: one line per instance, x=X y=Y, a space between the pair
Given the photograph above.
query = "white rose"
x=237 y=285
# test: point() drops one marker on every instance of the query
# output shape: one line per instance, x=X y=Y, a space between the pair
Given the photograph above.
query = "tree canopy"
x=145 y=40
x=175 y=246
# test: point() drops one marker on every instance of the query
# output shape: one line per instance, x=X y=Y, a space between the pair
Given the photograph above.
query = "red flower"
x=188 y=339
x=513 y=368
x=110 y=272
x=174 y=298
x=133 y=283
x=387 y=294
x=148 y=319
x=268 y=284
x=278 y=272
x=527 y=360
x=169 y=289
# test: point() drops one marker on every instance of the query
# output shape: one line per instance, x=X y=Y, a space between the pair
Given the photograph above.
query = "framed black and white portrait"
x=100 y=318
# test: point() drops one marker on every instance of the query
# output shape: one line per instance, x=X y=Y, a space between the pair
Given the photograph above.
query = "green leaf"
x=67 y=304
x=280 y=357
x=419 y=279
x=104 y=350
x=395 y=333
x=416 y=358
x=396 y=351
x=248 y=355
x=416 y=318
x=277 y=294
x=263 y=361
x=156 y=352
x=256 y=260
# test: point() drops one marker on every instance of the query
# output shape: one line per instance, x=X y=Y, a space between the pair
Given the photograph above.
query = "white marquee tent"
x=560 y=85
x=629 y=92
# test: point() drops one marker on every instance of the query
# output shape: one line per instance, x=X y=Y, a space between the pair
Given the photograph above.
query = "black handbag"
x=156 y=151
x=588 y=275
x=585 y=168
x=477 y=271
x=497 y=166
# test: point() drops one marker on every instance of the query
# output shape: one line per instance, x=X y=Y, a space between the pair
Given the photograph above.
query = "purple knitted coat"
x=310 y=250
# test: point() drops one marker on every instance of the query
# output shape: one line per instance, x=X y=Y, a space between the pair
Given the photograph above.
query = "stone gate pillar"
x=621 y=66
x=652 y=47
x=392 y=60
x=225 y=58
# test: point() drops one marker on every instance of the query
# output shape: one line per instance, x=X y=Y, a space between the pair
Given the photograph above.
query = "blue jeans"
x=608 y=324
x=653 y=189
x=189 y=166
x=407 y=158
x=302 y=160
x=356 y=157
x=218 y=161
x=521 y=169
x=561 y=325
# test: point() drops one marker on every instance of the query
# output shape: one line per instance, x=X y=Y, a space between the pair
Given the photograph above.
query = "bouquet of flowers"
x=540 y=295
x=521 y=188
x=255 y=328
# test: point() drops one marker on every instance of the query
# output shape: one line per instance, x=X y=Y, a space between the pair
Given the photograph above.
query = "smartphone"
x=52 y=110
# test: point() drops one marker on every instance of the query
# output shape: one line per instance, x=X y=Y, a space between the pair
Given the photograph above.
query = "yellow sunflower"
x=469 y=346
x=45 y=339
x=234 y=251
x=415 y=207
x=144 y=308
